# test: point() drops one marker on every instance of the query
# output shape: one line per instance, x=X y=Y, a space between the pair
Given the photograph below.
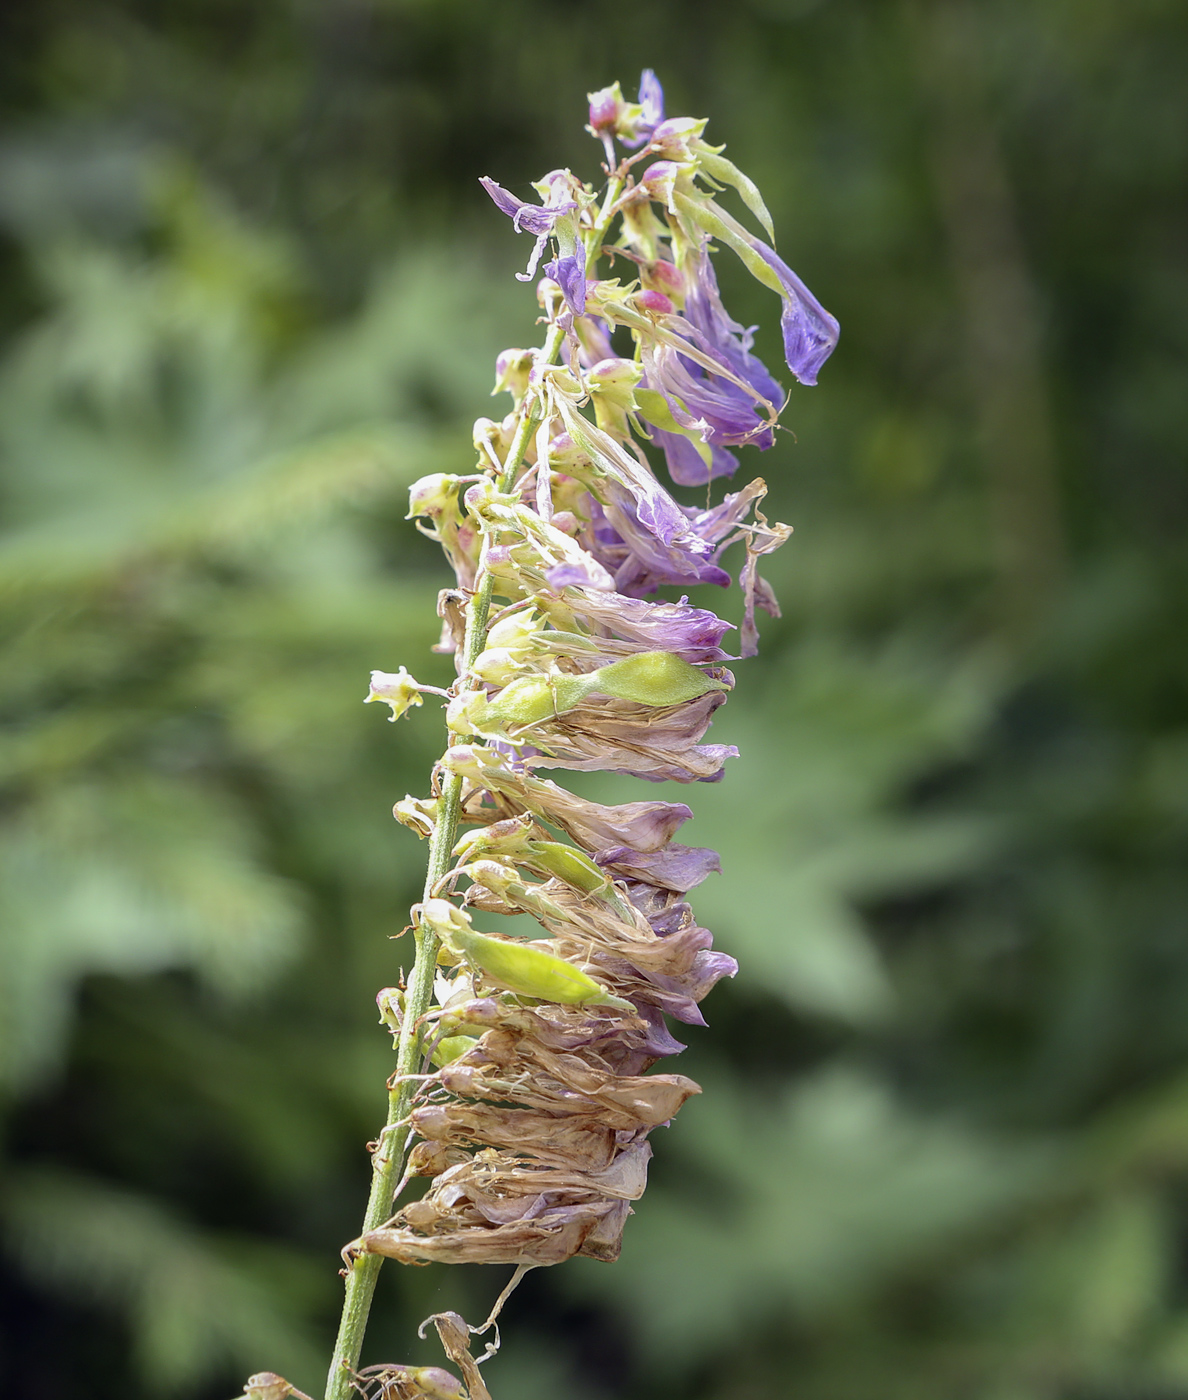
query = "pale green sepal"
x=395 y=688
x=729 y=173
x=703 y=214
x=654 y=409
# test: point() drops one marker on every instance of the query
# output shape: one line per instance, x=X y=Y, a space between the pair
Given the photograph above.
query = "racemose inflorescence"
x=523 y=1089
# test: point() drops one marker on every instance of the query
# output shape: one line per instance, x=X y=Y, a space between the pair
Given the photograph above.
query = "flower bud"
x=658 y=180
x=547 y=292
x=677 y=138
x=410 y=1382
x=396 y=689
x=615 y=379
x=512 y=370
x=432 y=1158
x=652 y=303
x=267 y=1385
x=390 y=1001
x=564 y=454
x=418 y=814
x=517 y=631
x=433 y=495
x=451 y=1048
x=496 y=665
x=442 y=918
x=663 y=277
x=507 y=837
x=606 y=108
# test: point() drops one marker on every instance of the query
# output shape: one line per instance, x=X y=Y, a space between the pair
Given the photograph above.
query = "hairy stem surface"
x=389 y=1151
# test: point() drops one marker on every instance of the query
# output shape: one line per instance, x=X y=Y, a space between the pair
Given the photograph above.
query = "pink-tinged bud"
x=661 y=276
x=547 y=292
x=614 y=380
x=658 y=179
x=433 y=495
x=606 y=107
x=674 y=137
x=615 y=370
x=564 y=452
x=512 y=369
x=654 y=303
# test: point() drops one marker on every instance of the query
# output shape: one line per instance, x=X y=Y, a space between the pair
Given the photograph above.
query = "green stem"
x=388 y=1157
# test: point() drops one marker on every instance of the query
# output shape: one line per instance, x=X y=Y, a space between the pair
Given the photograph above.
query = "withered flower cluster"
x=525 y=1087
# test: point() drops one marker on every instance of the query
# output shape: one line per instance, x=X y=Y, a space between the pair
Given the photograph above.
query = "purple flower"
x=715 y=524
x=810 y=332
x=649 y=541
x=723 y=413
x=685 y=463
x=725 y=409
x=651 y=100
x=650 y=559
x=678 y=868
x=690 y=633
x=724 y=336
x=570 y=275
x=537 y=219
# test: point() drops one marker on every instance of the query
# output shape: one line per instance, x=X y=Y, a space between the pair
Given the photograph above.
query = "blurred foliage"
x=248 y=292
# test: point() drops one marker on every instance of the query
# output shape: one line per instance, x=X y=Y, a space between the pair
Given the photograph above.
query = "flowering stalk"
x=522 y=1064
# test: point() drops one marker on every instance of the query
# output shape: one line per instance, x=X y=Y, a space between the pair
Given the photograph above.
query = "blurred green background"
x=249 y=290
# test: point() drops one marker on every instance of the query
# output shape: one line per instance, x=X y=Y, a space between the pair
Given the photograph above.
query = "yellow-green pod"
x=654 y=678
x=577 y=869
x=574 y=867
x=451 y=1048
x=531 y=972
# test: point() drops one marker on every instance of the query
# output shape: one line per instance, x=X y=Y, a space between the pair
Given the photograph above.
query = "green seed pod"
x=451 y=1048
x=574 y=867
x=512 y=838
x=531 y=972
x=654 y=678
x=520 y=705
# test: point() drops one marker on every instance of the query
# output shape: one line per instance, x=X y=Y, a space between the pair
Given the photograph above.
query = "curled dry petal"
x=571 y=1141
x=549 y=1240
x=454 y=1336
x=676 y=867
